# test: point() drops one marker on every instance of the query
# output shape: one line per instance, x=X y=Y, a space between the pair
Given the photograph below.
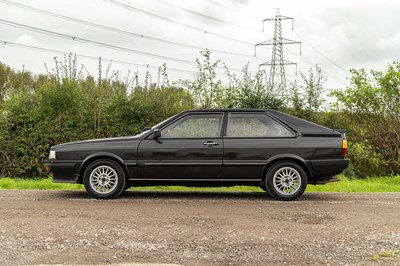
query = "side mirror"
x=156 y=133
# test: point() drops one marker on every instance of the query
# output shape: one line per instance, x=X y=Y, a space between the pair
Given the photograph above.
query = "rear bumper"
x=63 y=172
x=323 y=170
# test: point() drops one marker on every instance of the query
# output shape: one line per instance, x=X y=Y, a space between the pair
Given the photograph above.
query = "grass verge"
x=384 y=255
x=382 y=184
x=36 y=183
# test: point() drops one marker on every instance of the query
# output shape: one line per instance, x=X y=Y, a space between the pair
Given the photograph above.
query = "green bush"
x=370 y=106
x=37 y=112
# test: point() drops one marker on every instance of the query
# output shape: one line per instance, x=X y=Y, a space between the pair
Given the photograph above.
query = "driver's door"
x=189 y=148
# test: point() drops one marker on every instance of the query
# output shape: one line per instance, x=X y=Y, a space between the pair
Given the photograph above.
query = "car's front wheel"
x=104 y=179
x=286 y=181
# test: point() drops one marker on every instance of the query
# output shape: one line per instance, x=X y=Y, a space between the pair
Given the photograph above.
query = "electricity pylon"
x=277 y=76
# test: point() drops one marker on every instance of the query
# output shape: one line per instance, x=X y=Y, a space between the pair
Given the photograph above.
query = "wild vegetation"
x=68 y=104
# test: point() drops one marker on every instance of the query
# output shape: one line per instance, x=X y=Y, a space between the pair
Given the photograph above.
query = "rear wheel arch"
x=284 y=158
x=287 y=158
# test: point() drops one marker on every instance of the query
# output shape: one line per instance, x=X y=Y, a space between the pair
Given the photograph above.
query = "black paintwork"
x=232 y=161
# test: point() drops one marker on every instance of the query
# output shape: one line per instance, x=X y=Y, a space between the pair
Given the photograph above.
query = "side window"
x=255 y=125
x=194 y=126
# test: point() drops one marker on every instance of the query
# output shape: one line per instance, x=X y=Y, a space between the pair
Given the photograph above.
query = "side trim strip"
x=66 y=161
x=245 y=163
x=194 y=179
x=171 y=164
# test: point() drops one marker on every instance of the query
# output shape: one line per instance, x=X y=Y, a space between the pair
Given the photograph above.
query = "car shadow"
x=210 y=195
x=200 y=195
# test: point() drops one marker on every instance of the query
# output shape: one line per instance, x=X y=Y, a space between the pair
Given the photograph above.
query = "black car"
x=216 y=147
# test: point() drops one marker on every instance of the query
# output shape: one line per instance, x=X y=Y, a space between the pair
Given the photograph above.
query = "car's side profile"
x=216 y=147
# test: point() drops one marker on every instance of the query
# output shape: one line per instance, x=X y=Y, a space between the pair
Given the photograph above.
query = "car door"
x=250 y=140
x=190 y=148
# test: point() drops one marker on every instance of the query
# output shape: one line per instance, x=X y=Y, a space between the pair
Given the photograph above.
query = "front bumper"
x=63 y=172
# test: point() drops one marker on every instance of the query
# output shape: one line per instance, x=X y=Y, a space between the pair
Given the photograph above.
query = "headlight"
x=52 y=155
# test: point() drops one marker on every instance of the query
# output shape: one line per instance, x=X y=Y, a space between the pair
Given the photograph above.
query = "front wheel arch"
x=100 y=156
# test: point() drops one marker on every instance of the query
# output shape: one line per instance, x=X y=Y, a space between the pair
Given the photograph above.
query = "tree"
x=371 y=107
x=206 y=88
x=314 y=88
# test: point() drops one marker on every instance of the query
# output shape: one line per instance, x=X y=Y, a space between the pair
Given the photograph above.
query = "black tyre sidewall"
x=270 y=186
x=121 y=179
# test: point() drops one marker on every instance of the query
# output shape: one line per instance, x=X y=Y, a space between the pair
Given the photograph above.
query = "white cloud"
x=392 y=42
x=354 y=34
x=27 y=40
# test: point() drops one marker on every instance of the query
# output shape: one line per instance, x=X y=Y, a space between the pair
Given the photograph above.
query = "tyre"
x=286 y=181
x=104 y=179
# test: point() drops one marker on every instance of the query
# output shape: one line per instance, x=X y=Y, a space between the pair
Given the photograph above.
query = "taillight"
x=344 y=146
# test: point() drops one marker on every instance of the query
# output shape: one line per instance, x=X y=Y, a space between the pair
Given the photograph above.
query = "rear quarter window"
x=255 y=125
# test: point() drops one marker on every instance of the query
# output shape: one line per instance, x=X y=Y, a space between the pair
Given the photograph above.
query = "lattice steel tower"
x=277 y=76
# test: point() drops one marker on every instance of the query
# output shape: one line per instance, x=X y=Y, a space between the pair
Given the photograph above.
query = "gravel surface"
x=199 y=228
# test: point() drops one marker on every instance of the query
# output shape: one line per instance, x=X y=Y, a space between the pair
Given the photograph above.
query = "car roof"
x=225 y=110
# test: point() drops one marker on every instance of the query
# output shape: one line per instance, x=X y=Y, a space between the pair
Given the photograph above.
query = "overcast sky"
x=337 y=35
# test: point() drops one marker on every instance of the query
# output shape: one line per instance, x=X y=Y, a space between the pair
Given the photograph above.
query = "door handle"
x=210 y=143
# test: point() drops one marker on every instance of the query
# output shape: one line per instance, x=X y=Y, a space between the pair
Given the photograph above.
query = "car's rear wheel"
x=104 y=179
x=286 y=181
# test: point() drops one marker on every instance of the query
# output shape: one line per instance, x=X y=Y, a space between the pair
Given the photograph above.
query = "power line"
x=133 y=34
x=138 y=10
x=138 y=35
x=286 y=41
x=52 y=51
x=110 y=46
x=301 y=56
x=277 y=76
x=78 y=39
x=310 y=63
x=207 y=16
x=251 y=16
x=315 y=49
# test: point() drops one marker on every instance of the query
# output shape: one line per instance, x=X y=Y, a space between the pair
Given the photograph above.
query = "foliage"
x=387 y=255
x=37 y=184
x=305 y=101
x=314 y=88
x=251 y=91
x=376 y=184
x=370 y=106
x=205 y=87
x=68 y=104
x=37 y=112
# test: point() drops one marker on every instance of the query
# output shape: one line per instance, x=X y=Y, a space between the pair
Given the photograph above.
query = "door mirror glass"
x=156 y=133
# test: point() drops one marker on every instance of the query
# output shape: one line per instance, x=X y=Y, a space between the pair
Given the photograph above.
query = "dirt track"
x=68 y=227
